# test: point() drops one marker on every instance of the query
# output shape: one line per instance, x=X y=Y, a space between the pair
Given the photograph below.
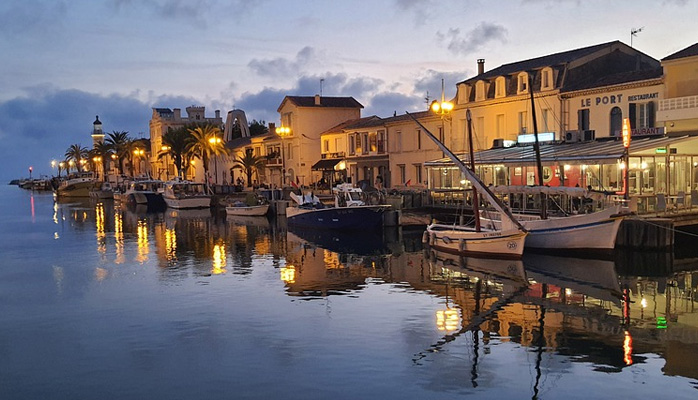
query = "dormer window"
x=546 y=79
x=500 y=87
x=522 y=86
x=480 y=91
x=463 y=94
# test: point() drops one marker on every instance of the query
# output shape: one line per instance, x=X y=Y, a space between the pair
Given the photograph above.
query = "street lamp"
x=97 y=160
x=283 y=131
x=54 y=163
x=215 y=141
x=30 y=172
x=166 y=149
x=61 y=165
x=443 y=107
x=138 y=152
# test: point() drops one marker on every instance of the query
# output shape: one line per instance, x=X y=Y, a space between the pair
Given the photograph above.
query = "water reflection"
x=563 y=311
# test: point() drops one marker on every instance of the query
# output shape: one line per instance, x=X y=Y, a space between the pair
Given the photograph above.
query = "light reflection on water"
x=100 y=300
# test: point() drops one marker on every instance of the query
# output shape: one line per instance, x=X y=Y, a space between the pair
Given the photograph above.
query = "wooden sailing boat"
x=596 y=231
x=505 y=241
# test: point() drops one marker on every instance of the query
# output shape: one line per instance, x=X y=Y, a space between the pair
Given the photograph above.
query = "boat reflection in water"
x=484 y=320
x=575 y=277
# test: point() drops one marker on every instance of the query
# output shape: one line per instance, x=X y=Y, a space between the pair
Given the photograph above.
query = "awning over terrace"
x=326 y=164
x=595 y=152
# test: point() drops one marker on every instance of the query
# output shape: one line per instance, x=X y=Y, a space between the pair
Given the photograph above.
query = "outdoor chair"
x=680 y=200
x=694 y=198
x=661 y=202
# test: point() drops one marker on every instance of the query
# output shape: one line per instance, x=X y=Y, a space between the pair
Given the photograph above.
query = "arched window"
x=616 y=122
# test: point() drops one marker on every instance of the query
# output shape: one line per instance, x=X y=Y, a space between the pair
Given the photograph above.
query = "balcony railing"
x=678 y=103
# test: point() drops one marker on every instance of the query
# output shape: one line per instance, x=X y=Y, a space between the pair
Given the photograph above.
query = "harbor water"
x=99 y=301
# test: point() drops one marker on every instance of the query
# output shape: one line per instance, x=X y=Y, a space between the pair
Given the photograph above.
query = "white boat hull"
x=188 y=202
x=465 y=241
x=249 y=211
x=597 y=231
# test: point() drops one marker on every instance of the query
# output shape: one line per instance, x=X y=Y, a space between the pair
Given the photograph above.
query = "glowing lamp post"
x=166 y=149
x=283 y=131
x=97 y=160
x=30 y=172
x=215 y=142
x=54 y=163
x=61 y=165
x=138 y=153
x=626 y=157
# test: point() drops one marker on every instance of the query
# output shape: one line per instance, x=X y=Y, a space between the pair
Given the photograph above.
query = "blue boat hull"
x=348 y=218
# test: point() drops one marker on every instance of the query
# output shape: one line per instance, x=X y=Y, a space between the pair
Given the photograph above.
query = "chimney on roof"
x=272 y=127
x=317 y=99
x=177 y=114
x=218 y=114
x=480 y=66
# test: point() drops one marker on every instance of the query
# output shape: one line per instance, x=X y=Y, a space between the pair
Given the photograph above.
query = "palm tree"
x=249 y=164
x=203 y=143
x=175 y=144
x=118 y=140
x=102 y=151
x=76 y=153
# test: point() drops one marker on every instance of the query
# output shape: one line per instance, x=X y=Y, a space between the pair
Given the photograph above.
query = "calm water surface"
x=100 y=302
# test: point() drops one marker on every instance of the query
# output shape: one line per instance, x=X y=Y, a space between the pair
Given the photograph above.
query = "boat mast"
x=476 y=200
x=470 y=175
x=536 y=147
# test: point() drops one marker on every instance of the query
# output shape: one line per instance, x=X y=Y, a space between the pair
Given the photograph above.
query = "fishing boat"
x=144 y=192
x=596 y=231
x=104 y=191
x=77 y=186
x=181 y=194
x=253 y=206
x=349 y=211
x=506 y=241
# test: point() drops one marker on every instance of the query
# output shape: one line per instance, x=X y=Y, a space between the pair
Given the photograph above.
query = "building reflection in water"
x=608 y=314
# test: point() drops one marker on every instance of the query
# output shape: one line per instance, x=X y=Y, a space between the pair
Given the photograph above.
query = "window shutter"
x=650 y=114
x=632 y=115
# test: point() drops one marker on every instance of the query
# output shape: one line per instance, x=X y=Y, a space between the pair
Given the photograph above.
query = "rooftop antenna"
x=321 y=81
x=634 y=32
x=426 y=99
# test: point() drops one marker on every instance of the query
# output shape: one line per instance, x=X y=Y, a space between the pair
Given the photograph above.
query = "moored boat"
x=349 y=211
x=104 y=191
x=144 y=192
x=79 y=186
x=506 y=241
x=182 y=194
x=593 y=231
x=252 y=206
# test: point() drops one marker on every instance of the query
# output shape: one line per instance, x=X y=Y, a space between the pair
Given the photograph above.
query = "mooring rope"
x=669 y=229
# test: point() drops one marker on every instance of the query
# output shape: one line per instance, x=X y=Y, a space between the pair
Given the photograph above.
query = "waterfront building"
x=581 y=97
x=303 y=120
x=164 y=119
x=678 y=110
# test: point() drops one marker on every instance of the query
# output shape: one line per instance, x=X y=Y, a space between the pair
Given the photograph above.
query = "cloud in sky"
x=473 y=40
x=282 y=66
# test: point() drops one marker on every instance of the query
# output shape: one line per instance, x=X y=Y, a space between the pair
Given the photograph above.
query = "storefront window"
x=612 y=177
x=661 y=186
x=680 y=171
